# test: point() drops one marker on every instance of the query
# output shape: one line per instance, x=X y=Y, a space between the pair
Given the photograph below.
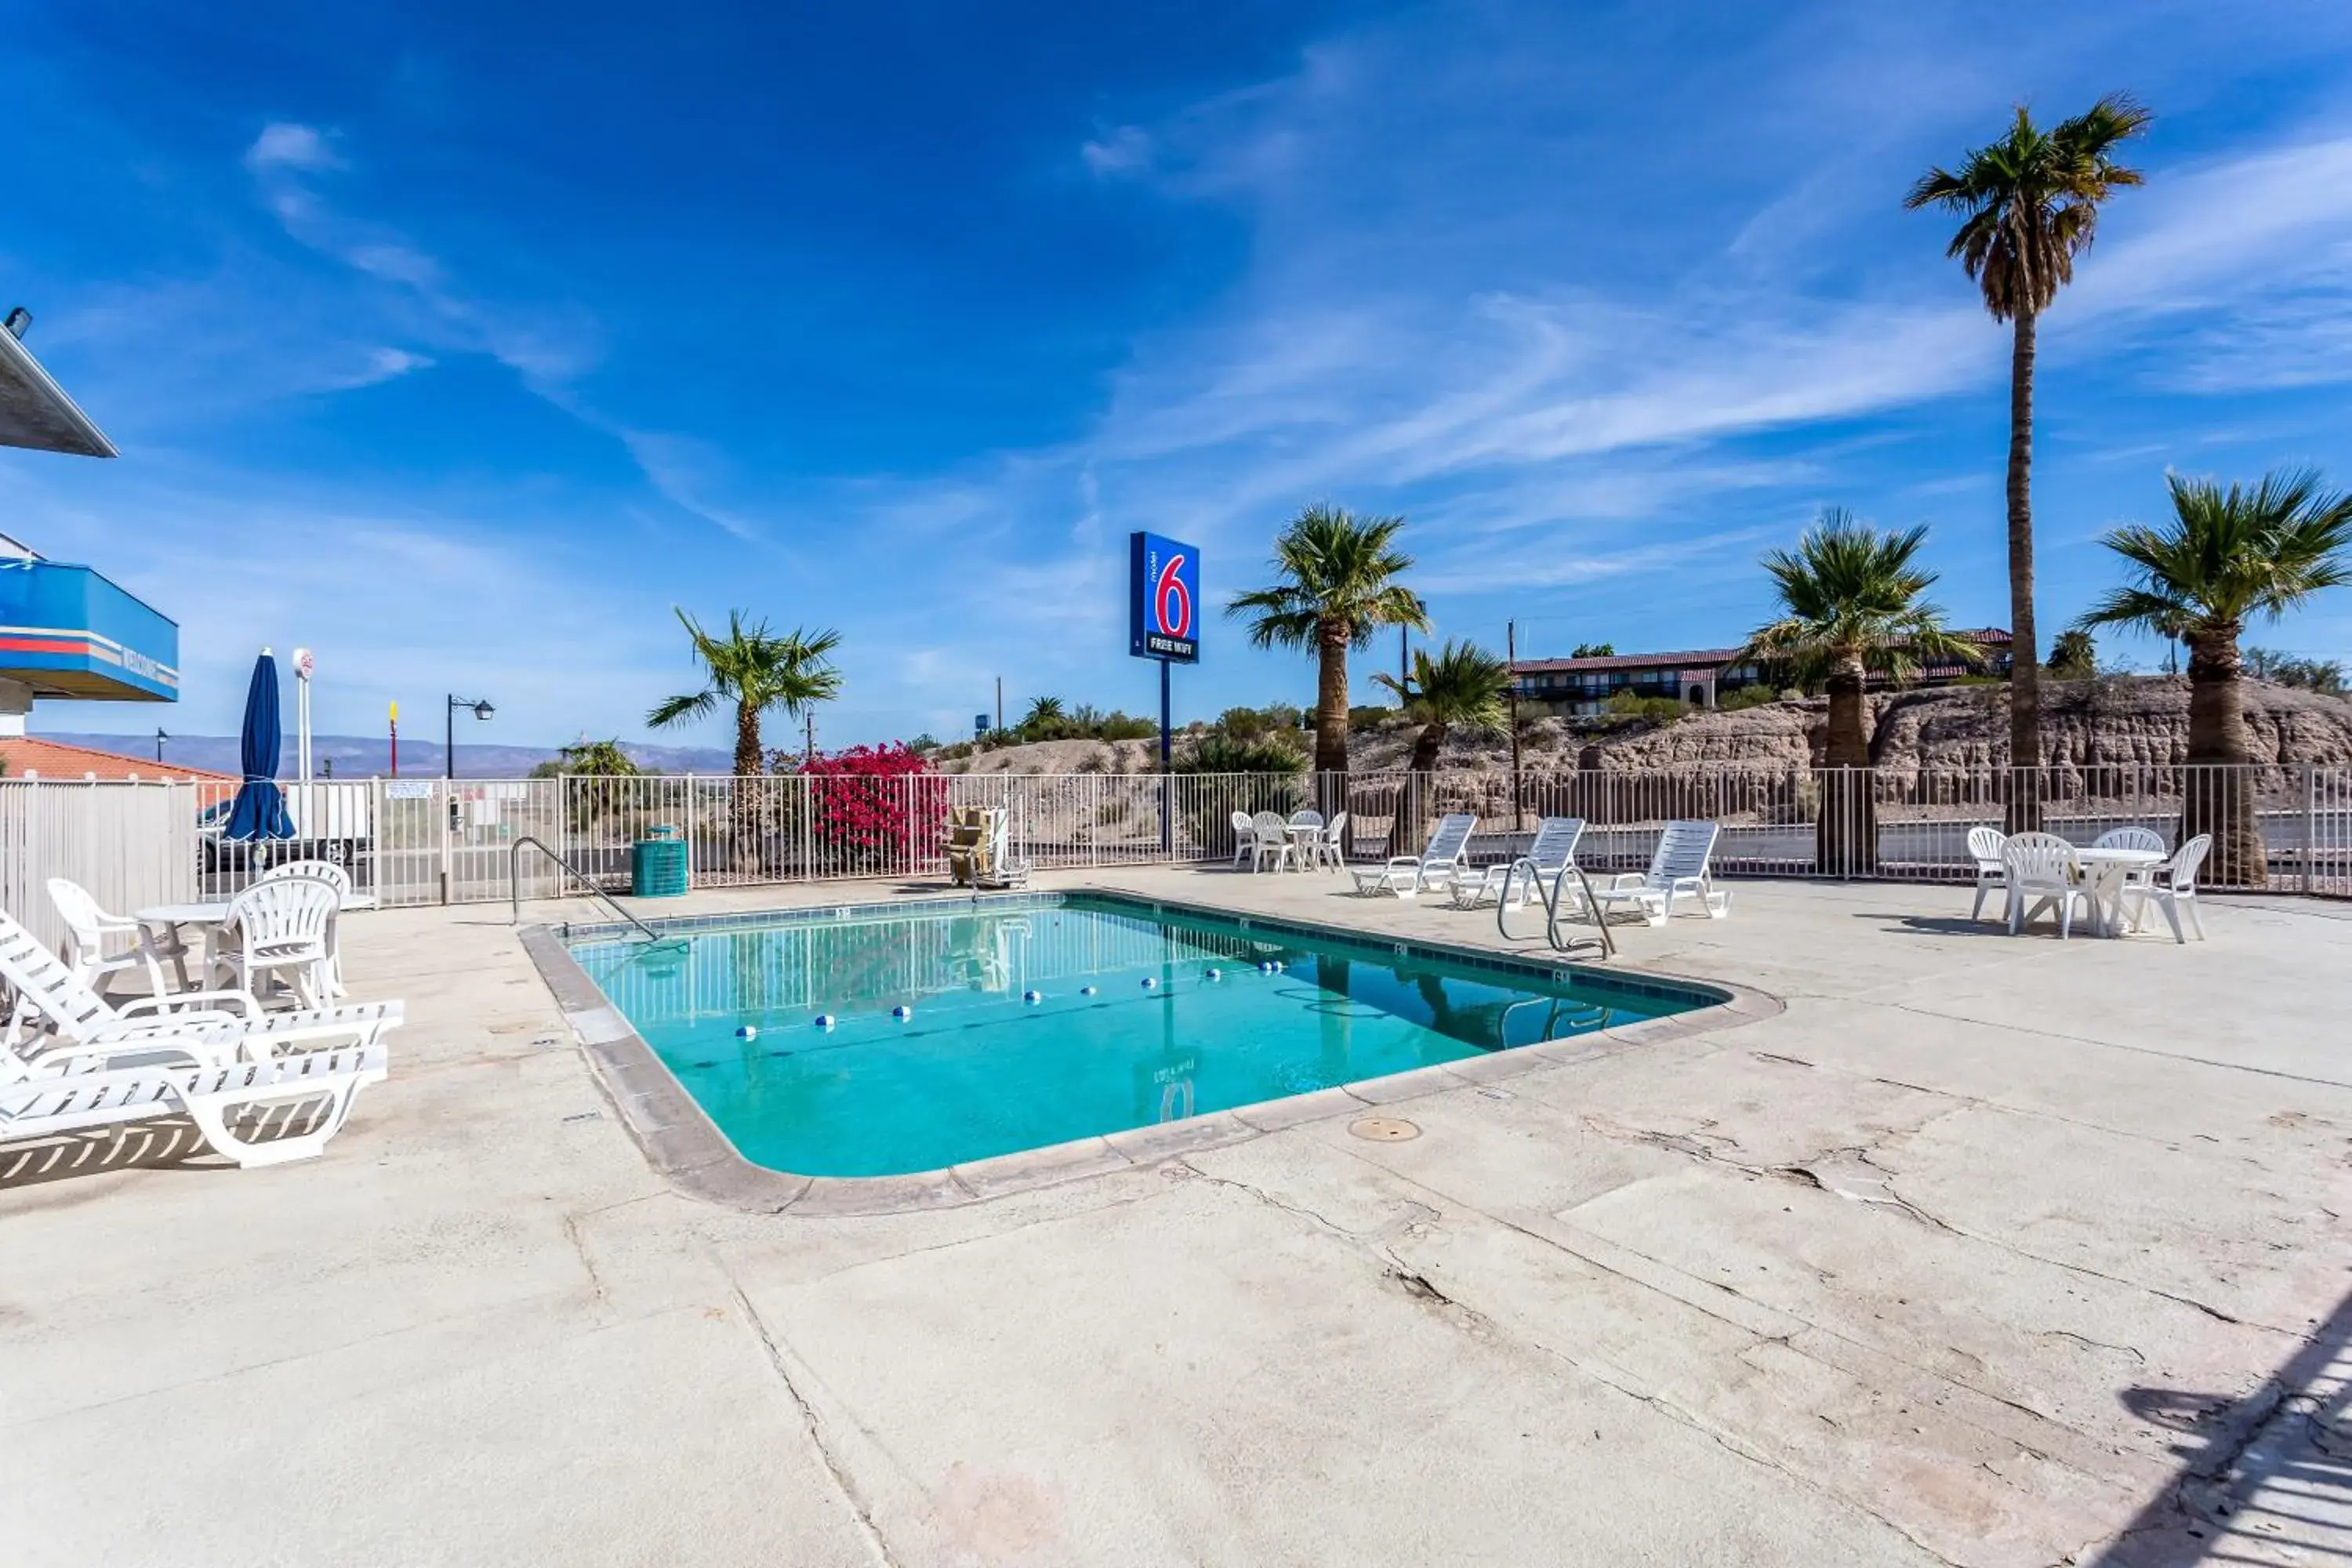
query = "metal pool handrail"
x=514 y=886
x=1551 y=903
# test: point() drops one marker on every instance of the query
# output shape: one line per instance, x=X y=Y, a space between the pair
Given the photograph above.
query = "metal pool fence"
x=428 y=841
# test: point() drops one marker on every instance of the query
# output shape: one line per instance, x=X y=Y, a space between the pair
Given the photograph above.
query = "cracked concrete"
x=1912 y=1272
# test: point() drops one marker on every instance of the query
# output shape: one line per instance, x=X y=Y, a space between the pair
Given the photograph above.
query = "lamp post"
x=160 y=739
x=482 y=710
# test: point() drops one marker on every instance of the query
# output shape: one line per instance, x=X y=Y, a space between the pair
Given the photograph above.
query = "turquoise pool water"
x=1139 y=1017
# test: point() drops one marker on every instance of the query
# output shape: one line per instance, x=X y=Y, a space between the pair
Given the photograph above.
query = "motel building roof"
x=1693 y=659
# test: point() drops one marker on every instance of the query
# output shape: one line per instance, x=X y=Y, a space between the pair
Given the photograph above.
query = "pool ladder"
x=1553 y=898
x=514 y=886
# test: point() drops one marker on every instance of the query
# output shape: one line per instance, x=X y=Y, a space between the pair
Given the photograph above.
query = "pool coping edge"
x=683 y=1144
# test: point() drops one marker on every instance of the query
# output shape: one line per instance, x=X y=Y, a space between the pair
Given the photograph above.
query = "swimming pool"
x=889 y=1040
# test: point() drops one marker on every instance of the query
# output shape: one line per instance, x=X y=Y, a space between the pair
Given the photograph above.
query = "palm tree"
x=1338 y=588
x=2227 y=557
x=757 y=670
x=1853 y=607
x=2073 y=655
x=1046 y=721
x=1463 y=685
x=2032 y=206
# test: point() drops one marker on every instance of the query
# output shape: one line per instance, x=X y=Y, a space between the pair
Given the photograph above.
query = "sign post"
x=305 y=663
x=1163 y=613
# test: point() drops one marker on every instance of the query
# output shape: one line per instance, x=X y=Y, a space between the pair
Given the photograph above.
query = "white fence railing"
x=430 y=841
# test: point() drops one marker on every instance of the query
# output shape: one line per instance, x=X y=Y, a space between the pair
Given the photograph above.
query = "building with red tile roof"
x=26 y=757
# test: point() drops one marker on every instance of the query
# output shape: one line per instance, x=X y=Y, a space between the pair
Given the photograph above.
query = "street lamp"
x=482 y=710
x=160 y=739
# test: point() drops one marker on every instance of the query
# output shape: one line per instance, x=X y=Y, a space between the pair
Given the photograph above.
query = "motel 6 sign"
x=1163 y=593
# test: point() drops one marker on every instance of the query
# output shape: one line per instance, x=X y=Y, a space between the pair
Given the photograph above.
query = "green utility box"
x=658 y=867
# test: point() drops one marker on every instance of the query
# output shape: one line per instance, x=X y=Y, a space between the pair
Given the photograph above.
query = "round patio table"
x=1305 y=839
x=2105 y=872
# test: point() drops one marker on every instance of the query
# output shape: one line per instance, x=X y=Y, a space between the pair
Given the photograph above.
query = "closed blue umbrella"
x=260 y=808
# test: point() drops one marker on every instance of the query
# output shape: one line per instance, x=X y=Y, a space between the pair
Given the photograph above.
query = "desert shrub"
x=1217 y=753
x=1647 y=709
x=1746 y=697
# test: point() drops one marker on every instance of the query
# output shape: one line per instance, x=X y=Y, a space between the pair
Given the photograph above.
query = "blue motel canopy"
x=66 y=631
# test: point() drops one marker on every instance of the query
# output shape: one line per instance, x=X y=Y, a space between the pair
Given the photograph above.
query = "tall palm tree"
x=757 y=670
x=1852 y=606
x=2031 y=203
x=2227 y=557
x=1463 y=685
x=1337 y=589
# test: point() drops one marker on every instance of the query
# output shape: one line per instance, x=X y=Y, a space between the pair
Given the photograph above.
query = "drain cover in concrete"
x=1383 y=1129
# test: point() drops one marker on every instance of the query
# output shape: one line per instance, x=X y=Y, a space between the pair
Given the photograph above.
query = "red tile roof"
x=1693 y=659
x=24 y=757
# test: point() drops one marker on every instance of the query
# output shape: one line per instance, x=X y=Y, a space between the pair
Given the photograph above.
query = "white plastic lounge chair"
x=231 y=1025
x=1679 y=868
x=1533 y=875
x=281 y=926
x=1435 y=868
x=2173 y=885
x=87 y=928
x=230 y=1100
x=1244 y=837
x=2043 y=874
x=1984 y=849
x=1270 y=839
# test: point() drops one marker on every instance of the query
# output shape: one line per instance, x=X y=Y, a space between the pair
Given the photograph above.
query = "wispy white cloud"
x=1117 y=152
x=284 y=144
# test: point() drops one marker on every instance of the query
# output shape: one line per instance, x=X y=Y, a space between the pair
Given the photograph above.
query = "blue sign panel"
x=1163 y=599
x=66 y=631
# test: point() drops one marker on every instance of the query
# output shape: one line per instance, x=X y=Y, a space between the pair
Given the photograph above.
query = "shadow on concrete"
x=1942 y=925
x=165 y=1142
x=2265 y=1479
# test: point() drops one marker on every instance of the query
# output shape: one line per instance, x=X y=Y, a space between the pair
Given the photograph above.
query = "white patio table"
x=209 y=914
x=2104 y=871
x=1305 y=841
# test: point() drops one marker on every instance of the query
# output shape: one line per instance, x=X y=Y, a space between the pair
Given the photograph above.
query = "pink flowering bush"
x=870 y=804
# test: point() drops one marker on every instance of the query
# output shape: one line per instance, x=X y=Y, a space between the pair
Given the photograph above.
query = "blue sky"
x=460 y=342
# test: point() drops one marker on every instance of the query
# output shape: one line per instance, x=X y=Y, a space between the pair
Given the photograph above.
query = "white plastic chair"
x=1535 y=874
x=1679 y=868
x=1984 y=849
x=86 y=930
x=1270 y=836
x=325 y=871
x=2042 y=872
x=1244 y=837
x=1331 y=848
x=2174 y=886
x=281 y=926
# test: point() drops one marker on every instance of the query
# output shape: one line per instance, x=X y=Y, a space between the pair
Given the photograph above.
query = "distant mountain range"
x=365 y=756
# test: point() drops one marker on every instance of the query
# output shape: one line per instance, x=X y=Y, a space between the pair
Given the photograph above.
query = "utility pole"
x=1511 y=663
x=1000 y=704
x=1404 y=661
x=810 y=720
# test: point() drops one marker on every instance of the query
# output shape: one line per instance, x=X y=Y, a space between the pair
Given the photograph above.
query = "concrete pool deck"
x=1983 y=1251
